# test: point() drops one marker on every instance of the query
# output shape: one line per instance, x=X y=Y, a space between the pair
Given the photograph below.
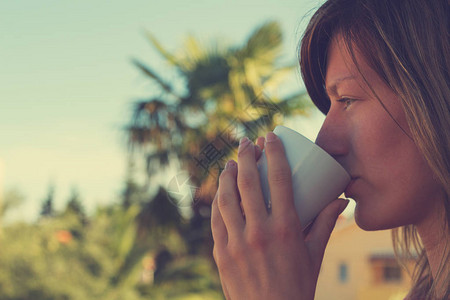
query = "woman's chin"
x=370 y=221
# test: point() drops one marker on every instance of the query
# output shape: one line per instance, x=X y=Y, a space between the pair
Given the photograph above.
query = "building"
x=360 y=265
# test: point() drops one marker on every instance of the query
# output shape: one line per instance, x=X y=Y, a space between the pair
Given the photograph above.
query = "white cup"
x=317 y=178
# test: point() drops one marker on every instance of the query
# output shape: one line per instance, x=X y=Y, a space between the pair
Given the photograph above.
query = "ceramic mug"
x=317 y=178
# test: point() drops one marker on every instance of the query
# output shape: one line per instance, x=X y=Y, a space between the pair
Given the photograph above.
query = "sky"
x=67 y=83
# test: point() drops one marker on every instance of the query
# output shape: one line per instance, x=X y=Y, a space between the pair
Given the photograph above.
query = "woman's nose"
x=333 y=137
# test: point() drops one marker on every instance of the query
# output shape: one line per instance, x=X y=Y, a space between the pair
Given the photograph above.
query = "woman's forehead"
x=341 y=68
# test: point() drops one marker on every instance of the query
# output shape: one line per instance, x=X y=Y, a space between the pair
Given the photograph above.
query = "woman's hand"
x=263 y=255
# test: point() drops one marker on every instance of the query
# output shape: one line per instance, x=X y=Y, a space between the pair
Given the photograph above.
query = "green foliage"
x=74 y=205
x=10 y=200
x=184 y=280
x=36 y=265
x=104 y=260
x=47 y=209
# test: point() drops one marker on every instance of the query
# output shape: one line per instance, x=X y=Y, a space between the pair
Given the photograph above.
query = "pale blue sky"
x=66 y=82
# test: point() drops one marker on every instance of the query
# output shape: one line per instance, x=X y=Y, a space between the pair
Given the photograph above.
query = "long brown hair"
x=406 y=42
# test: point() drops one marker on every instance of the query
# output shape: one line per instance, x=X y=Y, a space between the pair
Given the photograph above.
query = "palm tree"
x=225 y=90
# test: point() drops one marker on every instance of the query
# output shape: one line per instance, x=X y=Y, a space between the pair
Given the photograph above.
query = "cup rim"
x=315 y=146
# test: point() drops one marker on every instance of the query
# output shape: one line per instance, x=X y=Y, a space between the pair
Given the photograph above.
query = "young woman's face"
x=391 y=182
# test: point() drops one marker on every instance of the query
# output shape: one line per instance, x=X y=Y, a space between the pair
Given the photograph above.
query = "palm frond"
x=193 y=52
x=277 y=76
x=265 y=43
x=296 y=104
x=139 y=136
x=157 y=160
x=149 y=106
x=155 y=43
x=150 y=73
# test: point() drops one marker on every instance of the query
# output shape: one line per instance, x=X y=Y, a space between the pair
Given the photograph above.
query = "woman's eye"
x=346 y=101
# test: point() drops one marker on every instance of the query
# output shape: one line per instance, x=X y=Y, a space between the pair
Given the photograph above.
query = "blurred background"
x=117 y=118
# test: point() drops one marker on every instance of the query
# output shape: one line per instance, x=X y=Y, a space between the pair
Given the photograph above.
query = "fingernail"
x=243 y=140
x=270 y=137
x=242 y=143
x=230 y=164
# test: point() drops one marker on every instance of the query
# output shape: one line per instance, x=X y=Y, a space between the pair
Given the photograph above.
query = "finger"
x=259 y=146
x=228 y=200
x=225 y=290
x=306 y=230
x=260 y=142
x=248 y=183
x=279 y=177
x=258 y=152
x=219 y=231
x=322 y=227
x=222 y=282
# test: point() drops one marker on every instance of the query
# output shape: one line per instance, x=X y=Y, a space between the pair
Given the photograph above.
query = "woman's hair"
x=406 y=42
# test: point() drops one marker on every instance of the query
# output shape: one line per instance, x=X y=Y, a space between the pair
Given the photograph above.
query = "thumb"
x=321 y=230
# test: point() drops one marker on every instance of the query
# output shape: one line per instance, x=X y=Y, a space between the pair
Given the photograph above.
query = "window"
x=343 y=272
x=386 y=269
x=392 y=273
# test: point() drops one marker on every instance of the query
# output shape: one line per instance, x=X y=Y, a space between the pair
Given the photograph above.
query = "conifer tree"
x=47 y=209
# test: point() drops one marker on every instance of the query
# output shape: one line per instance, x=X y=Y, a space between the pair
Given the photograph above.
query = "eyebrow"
x=332 y=90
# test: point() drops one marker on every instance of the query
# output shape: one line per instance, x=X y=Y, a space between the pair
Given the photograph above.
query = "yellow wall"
x=354 y=247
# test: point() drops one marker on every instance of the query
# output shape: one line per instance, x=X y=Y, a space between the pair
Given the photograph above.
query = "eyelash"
x=346 y=101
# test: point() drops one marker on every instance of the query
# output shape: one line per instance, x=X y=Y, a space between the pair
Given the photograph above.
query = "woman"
x=379 y=70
